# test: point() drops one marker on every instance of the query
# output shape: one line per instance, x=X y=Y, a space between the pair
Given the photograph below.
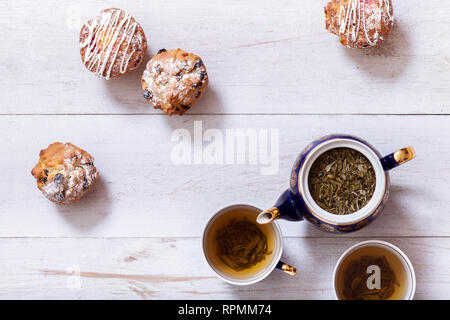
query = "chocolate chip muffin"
x=174 y=81
x=360 y=23
x=112 y=43
x=64 y=172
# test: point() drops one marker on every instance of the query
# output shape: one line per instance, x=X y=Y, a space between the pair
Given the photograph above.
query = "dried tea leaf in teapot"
x=342 y=181
x=355 y=279
x=241 y=244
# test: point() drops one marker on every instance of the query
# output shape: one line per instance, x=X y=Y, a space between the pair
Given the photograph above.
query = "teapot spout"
x=268 y=216
x=284 y=208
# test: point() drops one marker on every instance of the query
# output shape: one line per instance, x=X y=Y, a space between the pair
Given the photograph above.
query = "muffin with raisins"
x=64 y=173
x=174 y=81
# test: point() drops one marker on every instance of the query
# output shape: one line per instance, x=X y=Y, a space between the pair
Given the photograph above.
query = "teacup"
x=297 y=204
x=400 y=265
x=262 y=269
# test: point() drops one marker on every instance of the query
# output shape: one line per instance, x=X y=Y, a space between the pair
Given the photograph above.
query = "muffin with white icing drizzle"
x=360 y=23
x=174 y=81
x=64 y=173
x=112 y=43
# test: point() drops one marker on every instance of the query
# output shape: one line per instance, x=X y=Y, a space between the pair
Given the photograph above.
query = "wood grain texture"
x=164 y=268
x=262 y=57
x=141 y=191
x=271 y=65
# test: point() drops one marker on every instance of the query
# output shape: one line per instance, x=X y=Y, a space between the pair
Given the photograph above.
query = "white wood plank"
x=267 y=56
x=142 y=192
x=175 y=269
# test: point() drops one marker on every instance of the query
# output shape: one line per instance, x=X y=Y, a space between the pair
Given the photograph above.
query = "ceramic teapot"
x=297 y=204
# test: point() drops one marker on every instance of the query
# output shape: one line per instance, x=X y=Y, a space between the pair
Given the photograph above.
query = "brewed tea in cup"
x=241 y=251
x=374 y=270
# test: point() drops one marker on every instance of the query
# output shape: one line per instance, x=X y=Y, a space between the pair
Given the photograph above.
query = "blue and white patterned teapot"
x=297 y=204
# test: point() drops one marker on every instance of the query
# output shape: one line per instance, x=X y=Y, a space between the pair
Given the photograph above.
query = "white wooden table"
x=271 y=65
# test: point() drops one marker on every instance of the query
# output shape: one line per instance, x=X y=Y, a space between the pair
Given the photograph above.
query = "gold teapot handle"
x=404 y=155
x=398 y=157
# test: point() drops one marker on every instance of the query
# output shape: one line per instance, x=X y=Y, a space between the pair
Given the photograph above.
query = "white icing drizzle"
x=352 y=17
x=107 y=28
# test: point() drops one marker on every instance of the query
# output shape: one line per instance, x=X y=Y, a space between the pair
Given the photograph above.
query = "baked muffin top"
x=174 y=80
x=360 y=23
x=64 y=172
x=112 y=43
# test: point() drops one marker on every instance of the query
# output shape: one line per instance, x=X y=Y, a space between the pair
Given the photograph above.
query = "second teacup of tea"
x=239 y=250
x=374 y=270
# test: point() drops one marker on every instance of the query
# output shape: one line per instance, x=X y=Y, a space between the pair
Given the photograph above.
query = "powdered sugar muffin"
x=64 y=172
x=112 y=43
x=174 y=80
x=360 y=23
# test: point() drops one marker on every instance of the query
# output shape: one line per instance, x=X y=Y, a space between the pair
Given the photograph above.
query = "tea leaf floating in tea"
x=241 y=244
x=355 y=277
x=342 y=181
